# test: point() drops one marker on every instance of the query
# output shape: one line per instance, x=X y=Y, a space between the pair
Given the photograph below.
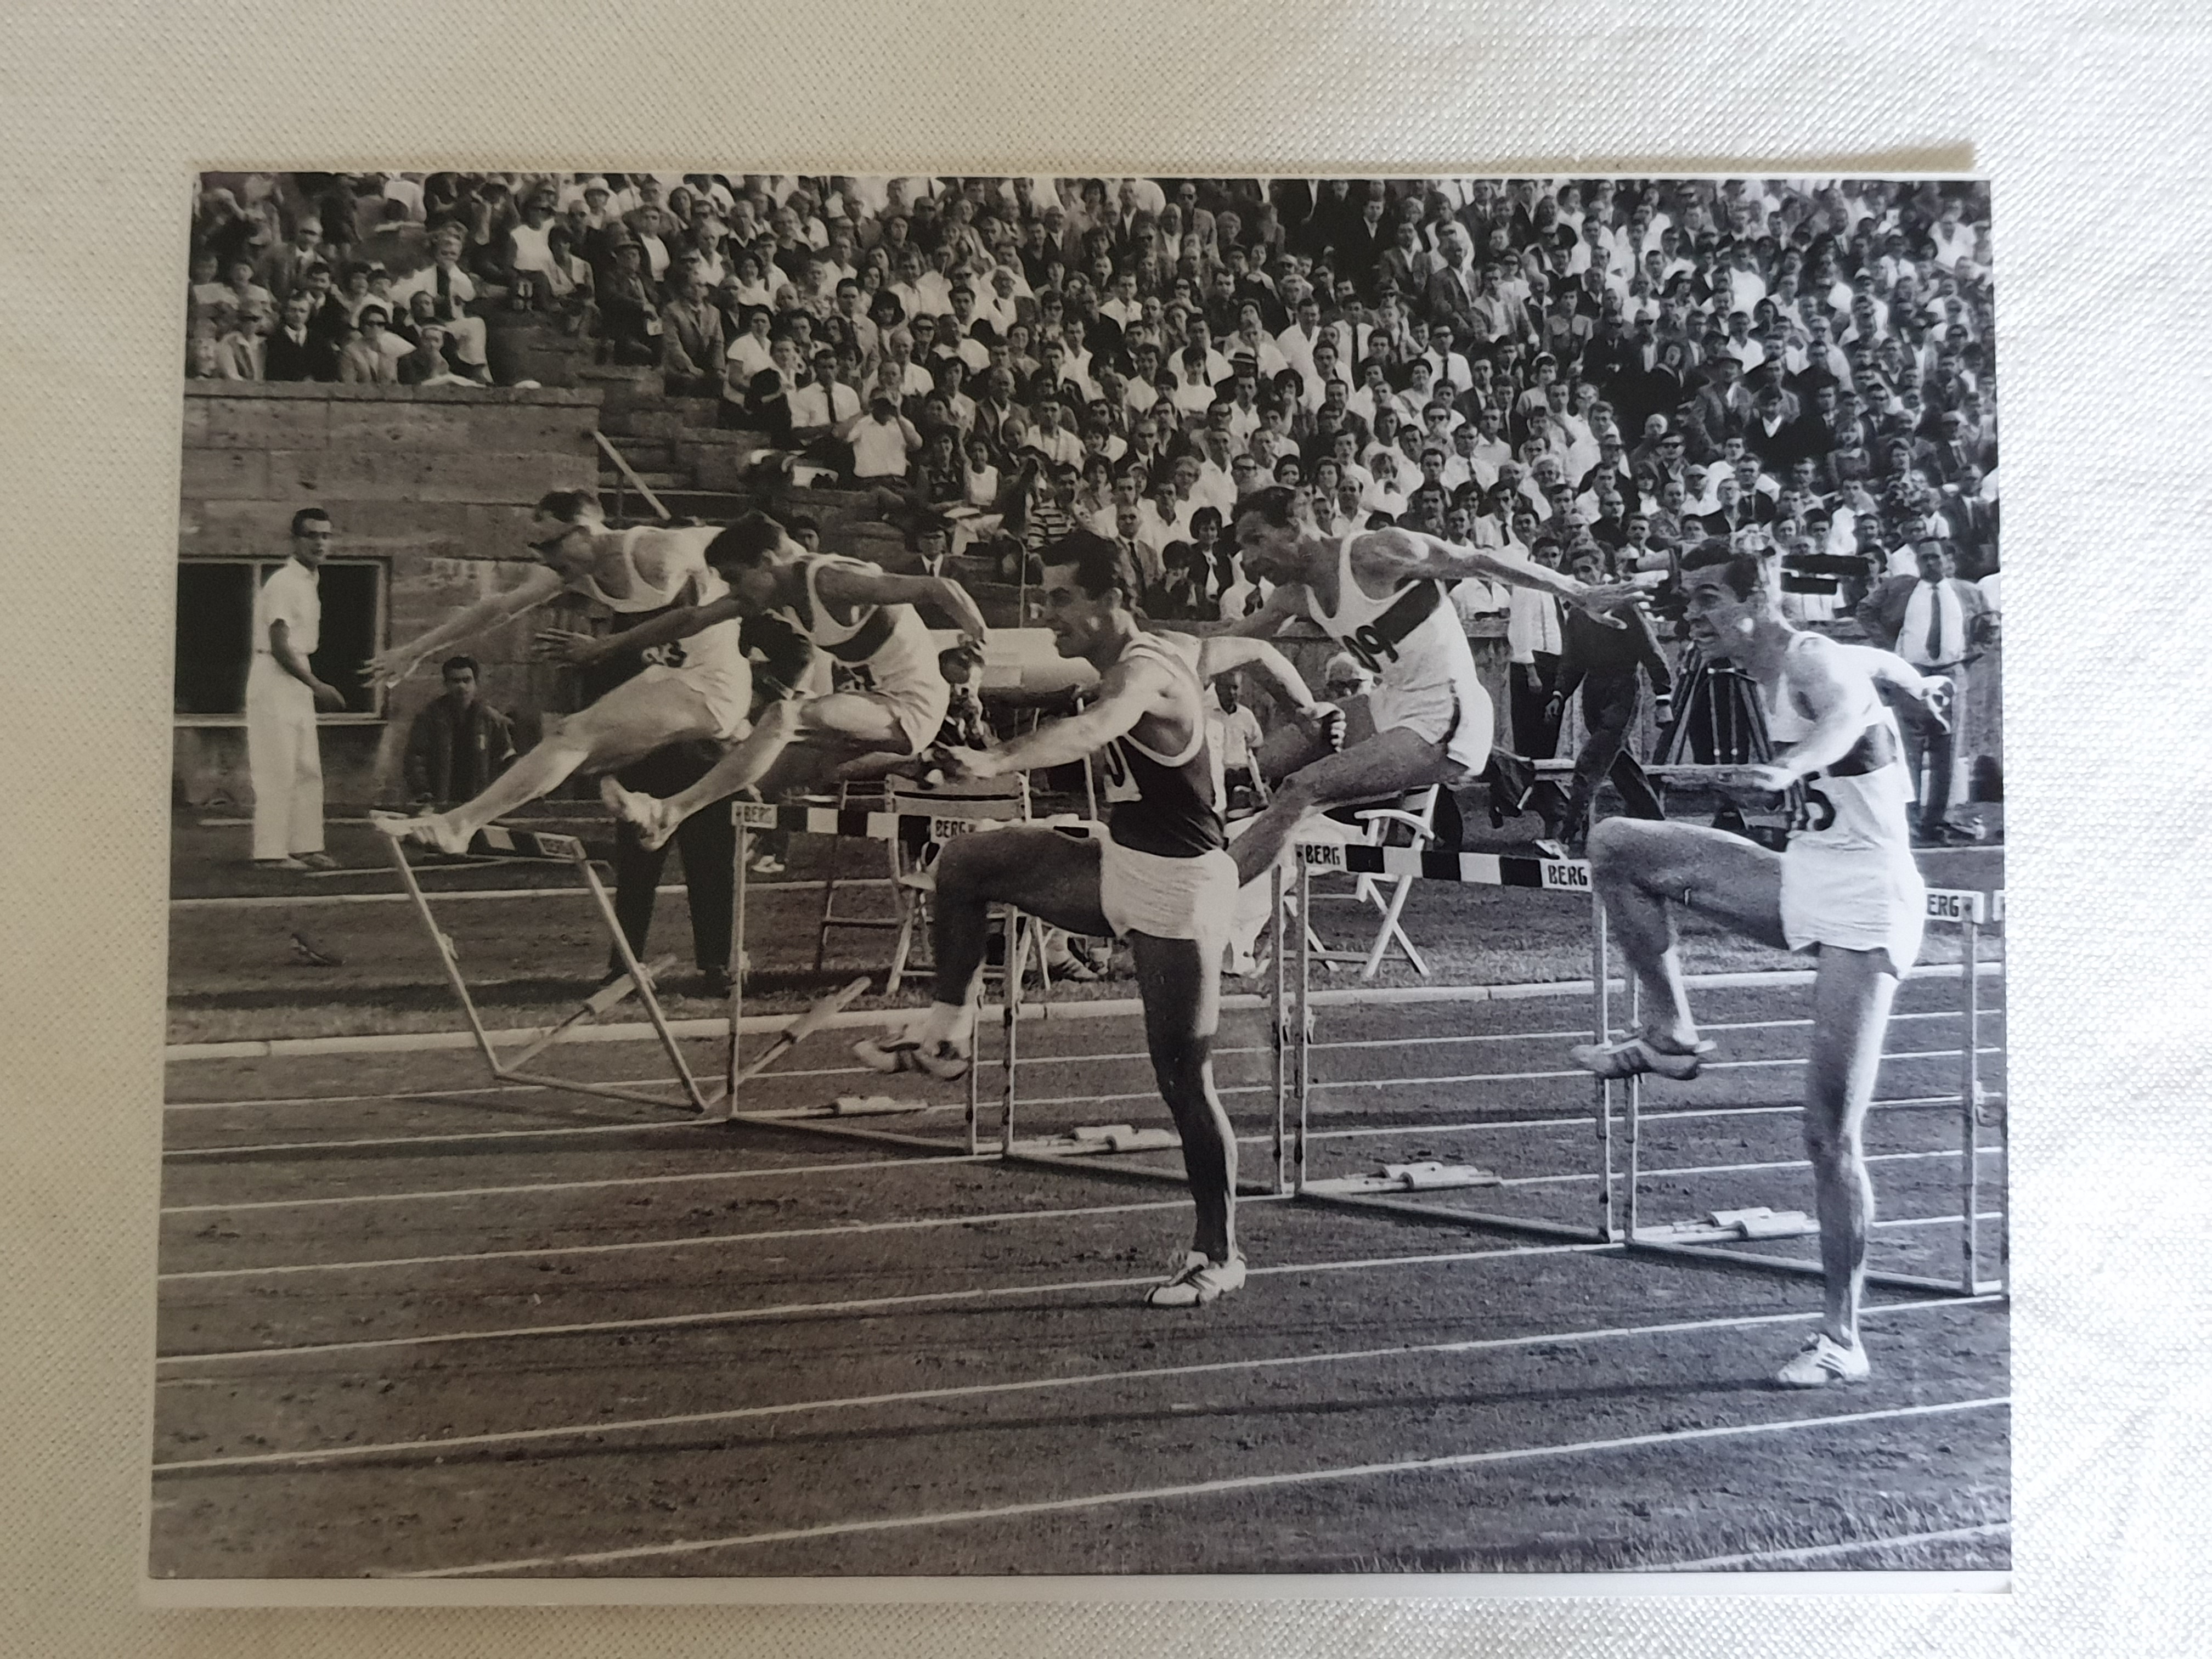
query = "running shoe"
x=1197 y=1280
x=1824 y=1360
x=1551 y=847
x=1633 y=1056
x=943 y=1059
x=767 y=864
x=317 y=860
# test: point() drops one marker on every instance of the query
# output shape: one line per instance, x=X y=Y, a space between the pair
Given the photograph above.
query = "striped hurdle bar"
x=1708 y=1238
x=503 y=841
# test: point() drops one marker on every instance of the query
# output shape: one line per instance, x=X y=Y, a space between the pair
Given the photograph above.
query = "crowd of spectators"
x=1546 y=367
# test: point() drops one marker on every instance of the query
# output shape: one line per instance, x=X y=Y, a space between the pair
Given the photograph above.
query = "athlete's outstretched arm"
x=1127 y=692
x=1278 y=607
x=396 y=662
x=571 y=648
x=842 y=586
x=1399 y=553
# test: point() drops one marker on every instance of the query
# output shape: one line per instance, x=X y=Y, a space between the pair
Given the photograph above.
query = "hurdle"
x=1969 y=909
x=1394 y=1189
x=1619 y=1176
x=507 y=842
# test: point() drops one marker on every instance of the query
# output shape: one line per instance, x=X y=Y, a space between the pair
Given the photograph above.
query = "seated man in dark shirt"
x=458 y=744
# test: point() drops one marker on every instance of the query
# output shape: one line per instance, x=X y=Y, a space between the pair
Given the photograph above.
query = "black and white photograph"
x=1086 y=878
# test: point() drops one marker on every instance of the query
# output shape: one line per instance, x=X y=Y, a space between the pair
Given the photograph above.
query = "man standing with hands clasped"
x=1933 y=621
x=283 y=748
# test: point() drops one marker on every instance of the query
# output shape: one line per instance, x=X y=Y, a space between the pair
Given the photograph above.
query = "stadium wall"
x=433 y=484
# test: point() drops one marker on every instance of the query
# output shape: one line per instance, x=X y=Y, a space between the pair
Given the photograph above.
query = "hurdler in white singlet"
x=713 y=660
x=1410 y=638
x=1848 y=875
x=886 y=648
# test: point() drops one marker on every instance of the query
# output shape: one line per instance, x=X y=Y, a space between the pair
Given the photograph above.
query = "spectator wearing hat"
x=630 y=326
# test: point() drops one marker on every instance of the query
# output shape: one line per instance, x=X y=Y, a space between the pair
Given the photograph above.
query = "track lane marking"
x=979 y=1390
x=1813 y=1551
x=1215 y=1488
x=858 y=1304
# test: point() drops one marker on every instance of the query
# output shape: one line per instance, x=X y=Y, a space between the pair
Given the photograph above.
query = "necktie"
x=444 y=293
x=1935 y=623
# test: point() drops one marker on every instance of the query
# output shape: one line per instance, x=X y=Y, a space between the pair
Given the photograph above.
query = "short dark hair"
x=307 y=515
x=569 y=506
x=463 y=661
x=745 y=544
x=1277 y=506
x=1743 y=569
x=1098 y=562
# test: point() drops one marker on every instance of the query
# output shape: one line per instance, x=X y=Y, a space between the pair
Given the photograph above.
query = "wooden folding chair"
x=952 y=809
x=1410 y=821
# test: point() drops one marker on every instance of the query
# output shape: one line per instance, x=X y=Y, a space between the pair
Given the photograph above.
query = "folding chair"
x=851 y=797
x=952 y=809
x=1409 y=821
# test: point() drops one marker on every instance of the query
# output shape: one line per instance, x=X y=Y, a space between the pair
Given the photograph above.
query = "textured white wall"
x=2090 y=118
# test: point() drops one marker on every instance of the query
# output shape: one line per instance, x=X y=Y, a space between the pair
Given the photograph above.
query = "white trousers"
x=284 y=754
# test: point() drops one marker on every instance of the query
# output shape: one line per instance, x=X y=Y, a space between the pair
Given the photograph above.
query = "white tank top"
x=533 y=249
x=885 y=647
x=688 y=580
x=1410 y=638
x=1861 y=803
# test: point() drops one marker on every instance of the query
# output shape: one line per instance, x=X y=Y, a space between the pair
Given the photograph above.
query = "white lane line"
x=1737 y=1169
x=1232 y=1002
x=845 y=1229
x=689 y=1121
x=1583 y=1120
x=1217 y=1488
x=911 y=1163
x=851 y=1229
x=1816 y=1552
x=574 y=1186
x=858 y=1304
x=1032 y=1385
x=1027 y=1060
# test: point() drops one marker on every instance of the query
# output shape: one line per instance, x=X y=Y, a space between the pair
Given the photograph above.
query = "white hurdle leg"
x=1601 y=982
x=1970 y=1088
x=1299 y=1015
x=737 y=965
x=1278 y=970
x=646 y=996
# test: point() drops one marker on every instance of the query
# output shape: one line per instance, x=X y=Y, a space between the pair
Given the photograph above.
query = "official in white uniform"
x=282 y=749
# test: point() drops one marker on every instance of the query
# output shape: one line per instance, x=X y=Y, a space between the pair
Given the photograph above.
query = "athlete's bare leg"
x=1388 y=763
x=1179 y=981
x=629 y=723
x=1055 y=878
x=1642 y=870
x=1852 y=994
x=856 y=723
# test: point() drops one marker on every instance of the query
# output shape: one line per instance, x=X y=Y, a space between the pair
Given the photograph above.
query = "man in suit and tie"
x=1945 y=457
x=1451 y=287
x=283 y=269
x=1973 y=519
x=295 y=351
x=1936 y=622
